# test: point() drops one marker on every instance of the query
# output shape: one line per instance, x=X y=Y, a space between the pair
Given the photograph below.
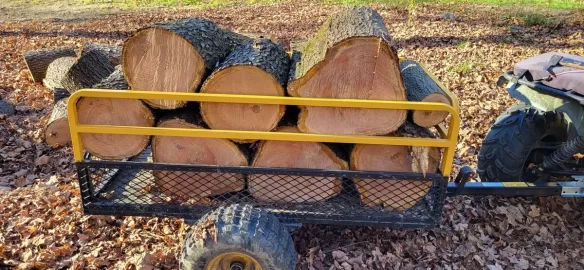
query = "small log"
x=397 y=195
x=114 y=111
x=349 y=57
x=57 y=132
x=113 y=52
x=420 y=87
x=57 y=70
x=193 y=150
x=292 y=154
x=89 y=69
x=256 y=67
x=174 y=56
x=38 y=61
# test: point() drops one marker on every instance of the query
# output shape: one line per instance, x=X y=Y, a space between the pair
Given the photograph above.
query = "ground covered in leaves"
x=41 y=222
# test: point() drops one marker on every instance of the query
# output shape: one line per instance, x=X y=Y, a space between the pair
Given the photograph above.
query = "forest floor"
x=41 y=219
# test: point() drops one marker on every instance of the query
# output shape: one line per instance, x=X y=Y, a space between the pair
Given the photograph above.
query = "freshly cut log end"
x=38 y=61
x=293 y=189
x=396 y=195
x=116 y=80
x=57 y=70
x=192 y=150
x=257 y=67
x=173 y=56
x=57 y=127
x=89 y=69
x=421 y=87
x=118 y=112
x=349 y=57
x=113 y=52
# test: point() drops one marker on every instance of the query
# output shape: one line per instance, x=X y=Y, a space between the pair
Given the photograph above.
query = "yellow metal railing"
x=447 y=141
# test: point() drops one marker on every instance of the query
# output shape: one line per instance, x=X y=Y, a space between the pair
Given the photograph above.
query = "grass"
x=464 y=68
x=551 y=4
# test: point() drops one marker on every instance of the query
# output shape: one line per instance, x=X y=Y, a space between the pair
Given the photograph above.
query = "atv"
x=539 y=138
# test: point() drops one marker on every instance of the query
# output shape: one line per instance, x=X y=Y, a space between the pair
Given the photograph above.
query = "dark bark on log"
x=60 y=93
x=207 y=45
x=353 y=22
x=57 y=127
x=89 y=69
x=38 y=61
x=57 y=70
x=6 y=108
x=420 y=87
x=116 y=80
x=113 y=52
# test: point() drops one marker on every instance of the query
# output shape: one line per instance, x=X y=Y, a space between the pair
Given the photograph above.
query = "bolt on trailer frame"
x=128 y=187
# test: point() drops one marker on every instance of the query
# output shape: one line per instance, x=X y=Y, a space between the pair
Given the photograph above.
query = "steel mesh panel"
x=294 y=195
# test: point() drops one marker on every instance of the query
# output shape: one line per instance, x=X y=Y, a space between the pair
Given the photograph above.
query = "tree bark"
x=349 y=57
x=113 y=52
x=89 y=69
x=38 y=61
x=174 y=56
x=114 y=111
x=256 y=67
x=57 y=132
x=195 y=150
x=291 y=154
x=57 y=70
x=396 y=195
x=420 y=87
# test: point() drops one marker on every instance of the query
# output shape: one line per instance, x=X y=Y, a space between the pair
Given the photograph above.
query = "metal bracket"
x=572 y=189
x=292 y=226
x=461 y=179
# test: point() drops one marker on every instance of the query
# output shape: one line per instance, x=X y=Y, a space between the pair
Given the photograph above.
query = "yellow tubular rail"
x=448 y=140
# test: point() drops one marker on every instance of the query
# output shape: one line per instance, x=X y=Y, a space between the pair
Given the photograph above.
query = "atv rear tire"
x=512 y=138
x=251 y=236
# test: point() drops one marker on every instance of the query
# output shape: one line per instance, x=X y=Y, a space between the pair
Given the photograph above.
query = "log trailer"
x=248 y=152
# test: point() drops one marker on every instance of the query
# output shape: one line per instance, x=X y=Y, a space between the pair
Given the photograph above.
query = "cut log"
x=57 y=70
x=57 y=132
x=291 y=154
x=113 y=52
x=349 y=57
x=38 y=61
x=397 y=195
x=420 y=87
x=89 y=69
x=193 y=150
x=174 y=56
x=256 y=67
x=114 y=111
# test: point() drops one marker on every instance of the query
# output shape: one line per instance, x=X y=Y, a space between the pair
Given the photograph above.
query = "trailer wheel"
x=507 y=148
x=238 y=237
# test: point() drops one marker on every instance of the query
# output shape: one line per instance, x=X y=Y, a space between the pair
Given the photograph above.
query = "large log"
x=113 y=52
x=420 y=87
x=292 y=154
x=90 y=68
x=396 y=194
x=57 y=127
x=38 y=61
x=195 y=150
x=349 y=57
x=113 y=111
x=174 y=56
x=57 y=70
x=256 y=67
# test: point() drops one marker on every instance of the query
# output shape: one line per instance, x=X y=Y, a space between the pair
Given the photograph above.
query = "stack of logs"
x=350 y=56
